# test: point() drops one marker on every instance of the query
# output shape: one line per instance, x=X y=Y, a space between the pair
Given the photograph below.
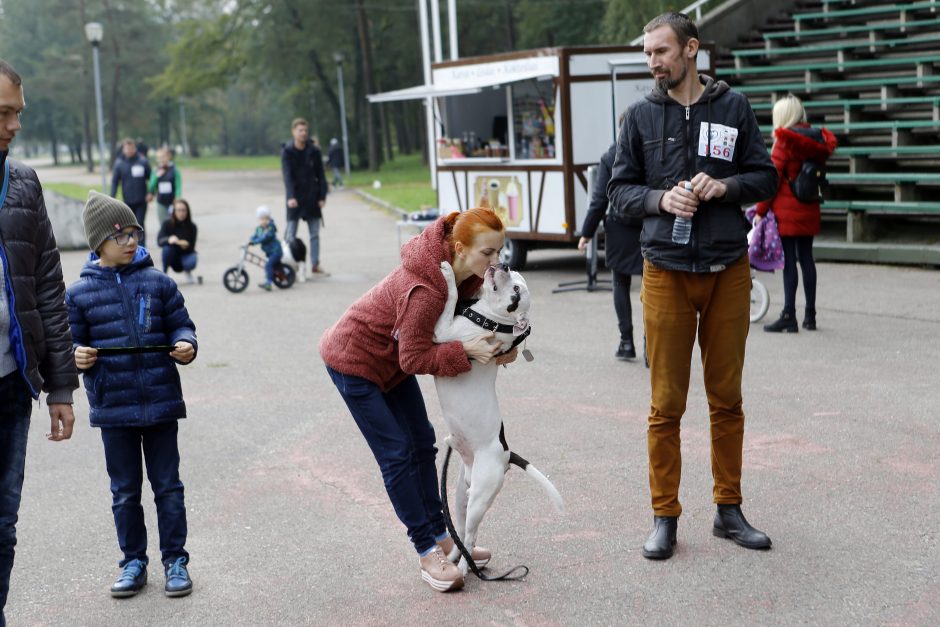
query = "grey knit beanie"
x=104 y=216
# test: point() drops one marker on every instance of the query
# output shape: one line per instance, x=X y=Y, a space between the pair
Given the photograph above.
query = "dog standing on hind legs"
x=468 y=401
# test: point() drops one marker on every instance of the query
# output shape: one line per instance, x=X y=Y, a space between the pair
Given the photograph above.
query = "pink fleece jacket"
x=387 y=334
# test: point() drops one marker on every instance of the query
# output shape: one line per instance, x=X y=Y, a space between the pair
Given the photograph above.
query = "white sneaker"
x=190 y=279
x=439 y=572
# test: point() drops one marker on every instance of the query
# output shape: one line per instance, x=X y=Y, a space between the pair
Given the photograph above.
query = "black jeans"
x=122 y=453
x=15 y=409
x=798 y=249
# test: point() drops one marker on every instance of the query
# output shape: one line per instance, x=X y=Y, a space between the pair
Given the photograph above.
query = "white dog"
x=295 y=256
x=468 y=401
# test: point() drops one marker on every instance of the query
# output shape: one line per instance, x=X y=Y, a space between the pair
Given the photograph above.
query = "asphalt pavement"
x=289 y=523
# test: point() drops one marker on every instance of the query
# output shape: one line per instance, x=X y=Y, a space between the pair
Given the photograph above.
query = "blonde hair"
x=788 y=111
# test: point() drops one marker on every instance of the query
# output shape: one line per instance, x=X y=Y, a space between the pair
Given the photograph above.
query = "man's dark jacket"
x=304 y=180
x=133 y=188
x=658 y=147
x=39 y=327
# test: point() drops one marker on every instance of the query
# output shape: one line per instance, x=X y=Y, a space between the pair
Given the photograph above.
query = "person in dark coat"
x=798 y=222
x=305 y=185
x=336 y=160
x=621 y=250
x=35 y=339
x=177 y=238
x=122 y=302
x=132 y=173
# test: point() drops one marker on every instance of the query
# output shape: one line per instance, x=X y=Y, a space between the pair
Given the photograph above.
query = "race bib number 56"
x=723 y=139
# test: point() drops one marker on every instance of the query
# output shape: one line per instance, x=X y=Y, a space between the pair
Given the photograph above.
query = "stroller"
x=235 y=278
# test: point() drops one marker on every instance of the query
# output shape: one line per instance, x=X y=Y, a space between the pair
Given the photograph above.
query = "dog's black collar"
x=464 y=308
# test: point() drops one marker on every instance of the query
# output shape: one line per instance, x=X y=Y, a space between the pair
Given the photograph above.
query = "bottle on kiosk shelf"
x=682 y=227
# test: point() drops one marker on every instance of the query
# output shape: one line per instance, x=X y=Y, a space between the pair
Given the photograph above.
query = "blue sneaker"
x=178 y=583
x=132 y=579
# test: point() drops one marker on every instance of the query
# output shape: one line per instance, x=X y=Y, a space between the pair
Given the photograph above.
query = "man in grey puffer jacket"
x=35 y=342
x=692 y=149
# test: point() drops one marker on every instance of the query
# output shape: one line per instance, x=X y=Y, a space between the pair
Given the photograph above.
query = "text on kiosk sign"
x=495 y=73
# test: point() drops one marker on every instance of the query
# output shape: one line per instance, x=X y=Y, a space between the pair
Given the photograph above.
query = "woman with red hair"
x=795 y=141
x=383 y=340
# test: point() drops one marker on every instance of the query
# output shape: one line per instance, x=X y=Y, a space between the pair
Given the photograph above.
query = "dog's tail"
x=533 y=472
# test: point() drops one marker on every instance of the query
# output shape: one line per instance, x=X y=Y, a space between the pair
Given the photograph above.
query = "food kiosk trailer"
x=517 y=132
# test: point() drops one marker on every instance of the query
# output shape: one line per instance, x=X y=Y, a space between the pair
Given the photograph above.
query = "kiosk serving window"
x=475 y=125
x=533 y=117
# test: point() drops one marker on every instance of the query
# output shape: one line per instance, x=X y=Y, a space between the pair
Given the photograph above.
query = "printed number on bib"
x=723 y=139
x=165 y=187
x=137 y=171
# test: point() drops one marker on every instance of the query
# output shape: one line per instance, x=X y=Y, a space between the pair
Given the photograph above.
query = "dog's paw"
x=447 y=270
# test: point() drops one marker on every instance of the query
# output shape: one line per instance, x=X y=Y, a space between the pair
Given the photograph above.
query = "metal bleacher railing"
x=880 y=94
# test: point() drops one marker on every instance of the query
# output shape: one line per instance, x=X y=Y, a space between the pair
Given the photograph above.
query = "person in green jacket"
x=164 y=183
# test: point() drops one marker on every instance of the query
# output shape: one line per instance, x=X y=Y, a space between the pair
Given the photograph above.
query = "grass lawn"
x=406 y=183
x=260 y=162
x=72 y=190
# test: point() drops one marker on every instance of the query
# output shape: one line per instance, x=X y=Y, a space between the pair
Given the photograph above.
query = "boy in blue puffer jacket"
x=266 y=236
x=130 y=328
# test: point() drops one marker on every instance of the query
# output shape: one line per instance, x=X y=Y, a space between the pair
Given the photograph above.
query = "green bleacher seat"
x=853 y=151
x=852 y=28
x=815 y=66
x=868 y=44
x=865 y=11
x=847 y=85
x=845 y=103
x=873 y=126
x=876 y=178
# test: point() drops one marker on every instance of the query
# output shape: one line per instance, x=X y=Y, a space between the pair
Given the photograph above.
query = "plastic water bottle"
x=682 y=227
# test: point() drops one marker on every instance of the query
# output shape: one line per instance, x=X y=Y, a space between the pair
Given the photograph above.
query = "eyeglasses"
x=123 y=239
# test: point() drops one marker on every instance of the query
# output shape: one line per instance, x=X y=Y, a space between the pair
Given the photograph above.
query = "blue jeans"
x=269 y=266
x=15 y=408
x=395 y=425
x=313 y=226
x=122 y=454
x=178 y=259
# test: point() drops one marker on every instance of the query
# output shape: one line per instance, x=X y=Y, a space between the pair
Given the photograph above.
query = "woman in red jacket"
x=378 y=346
x=795 y=141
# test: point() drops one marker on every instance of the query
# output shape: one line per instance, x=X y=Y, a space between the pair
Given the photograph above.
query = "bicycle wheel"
x=760 y=300
x=235 y=280
x=284 y=276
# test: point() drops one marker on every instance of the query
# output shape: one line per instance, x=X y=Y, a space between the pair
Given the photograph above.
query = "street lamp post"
x=338 y=57
x=94 y=31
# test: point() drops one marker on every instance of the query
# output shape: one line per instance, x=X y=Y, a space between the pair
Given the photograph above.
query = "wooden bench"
x=861 y=224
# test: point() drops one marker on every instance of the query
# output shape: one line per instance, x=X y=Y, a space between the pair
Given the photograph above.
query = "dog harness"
x=465 y=309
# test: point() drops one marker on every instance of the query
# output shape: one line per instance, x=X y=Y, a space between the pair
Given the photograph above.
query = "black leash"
x=460 y=546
